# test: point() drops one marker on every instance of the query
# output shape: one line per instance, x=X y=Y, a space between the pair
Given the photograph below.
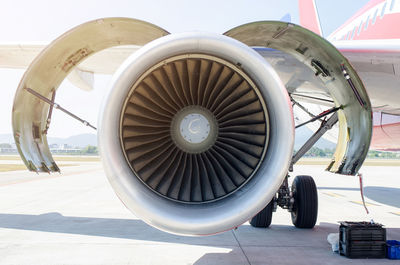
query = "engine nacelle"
x=196 y=133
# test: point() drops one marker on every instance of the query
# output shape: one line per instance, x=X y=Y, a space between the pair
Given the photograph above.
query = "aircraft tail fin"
x=286 y=18
x=309 y=16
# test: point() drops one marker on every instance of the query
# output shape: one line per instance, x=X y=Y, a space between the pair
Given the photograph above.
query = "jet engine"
x=196 y=133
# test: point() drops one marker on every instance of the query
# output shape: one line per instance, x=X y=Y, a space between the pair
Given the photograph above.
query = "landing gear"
x=305 y=207
x=301 y=199
x=263 y=219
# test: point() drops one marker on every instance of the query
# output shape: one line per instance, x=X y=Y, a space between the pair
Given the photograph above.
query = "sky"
x=41 y=21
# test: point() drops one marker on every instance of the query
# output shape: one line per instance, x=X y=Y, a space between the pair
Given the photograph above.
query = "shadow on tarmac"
x=138 y=230
x=104 y=227
x=388 y=196
x=244 y=243
x=383 y=195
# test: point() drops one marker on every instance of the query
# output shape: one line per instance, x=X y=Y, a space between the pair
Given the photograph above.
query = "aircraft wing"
x=20 y=56
x=367 y=58
x=378 y=64
x=379 y=71
x=298 y=78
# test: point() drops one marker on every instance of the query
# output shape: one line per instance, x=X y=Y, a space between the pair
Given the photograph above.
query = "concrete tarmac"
x=75 y=218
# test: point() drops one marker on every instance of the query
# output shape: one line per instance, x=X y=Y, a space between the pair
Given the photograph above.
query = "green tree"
x=90 y=150
x=316 y=152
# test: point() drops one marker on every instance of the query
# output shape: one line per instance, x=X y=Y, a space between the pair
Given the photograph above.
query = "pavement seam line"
x=240 y=246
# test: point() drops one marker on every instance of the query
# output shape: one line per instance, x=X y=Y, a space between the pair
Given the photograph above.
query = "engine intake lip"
x=225 y=98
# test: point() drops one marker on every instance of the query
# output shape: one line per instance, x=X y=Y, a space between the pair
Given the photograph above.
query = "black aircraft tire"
x=305 y=208
x=263 y=219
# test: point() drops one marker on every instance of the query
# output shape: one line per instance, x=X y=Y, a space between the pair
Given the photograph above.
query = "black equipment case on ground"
x=362 y=240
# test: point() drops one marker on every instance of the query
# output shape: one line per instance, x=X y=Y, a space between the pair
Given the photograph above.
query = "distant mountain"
x=6 y=139
x=80 y=140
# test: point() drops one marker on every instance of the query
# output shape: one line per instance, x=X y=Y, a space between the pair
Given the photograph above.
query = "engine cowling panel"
x=340 y=80
x=52 y=66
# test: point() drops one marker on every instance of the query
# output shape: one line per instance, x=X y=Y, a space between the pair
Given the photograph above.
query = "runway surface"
x=75 y=218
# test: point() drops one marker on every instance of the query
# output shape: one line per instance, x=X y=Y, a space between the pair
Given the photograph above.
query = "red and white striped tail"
x=309 y=16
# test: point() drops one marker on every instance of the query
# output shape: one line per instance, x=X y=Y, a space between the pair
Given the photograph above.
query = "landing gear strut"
x=301 y=200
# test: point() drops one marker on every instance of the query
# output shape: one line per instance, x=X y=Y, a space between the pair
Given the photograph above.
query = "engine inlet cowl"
x=196 y=133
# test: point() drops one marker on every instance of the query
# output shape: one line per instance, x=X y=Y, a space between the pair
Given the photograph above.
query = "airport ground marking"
x=366 y=203
x=333 y=194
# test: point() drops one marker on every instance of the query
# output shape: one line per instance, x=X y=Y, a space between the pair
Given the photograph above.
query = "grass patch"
x=77 y=158
x=57 y=158
x=10 y=157
x=11 y=167
x=382 y=162
x=16 y=167
x=367 y=162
